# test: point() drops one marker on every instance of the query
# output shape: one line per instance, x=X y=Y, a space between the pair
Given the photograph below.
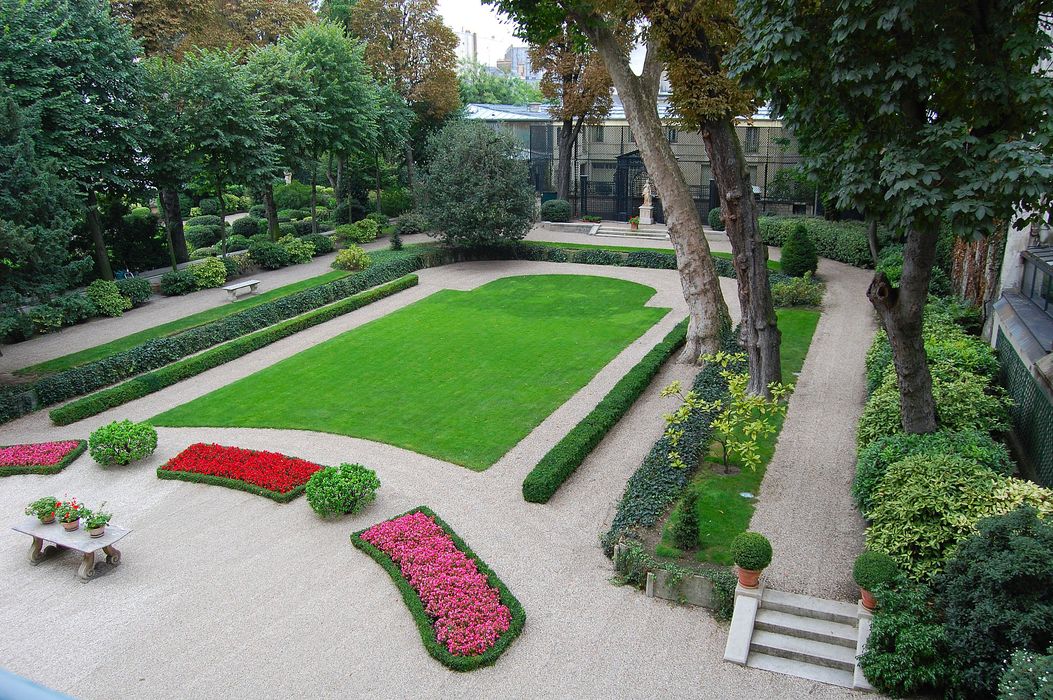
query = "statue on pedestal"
x=647 y=192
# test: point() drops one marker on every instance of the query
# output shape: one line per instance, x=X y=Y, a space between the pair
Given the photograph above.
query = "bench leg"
x=87 y=567
x=113 y=555
x=38 y=552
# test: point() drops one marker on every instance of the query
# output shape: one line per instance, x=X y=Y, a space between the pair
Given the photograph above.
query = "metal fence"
x=1032 y=411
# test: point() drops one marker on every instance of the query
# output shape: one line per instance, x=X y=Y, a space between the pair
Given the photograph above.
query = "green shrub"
x=844 y=241
x=751 y=550
x=135 y=289
x=876 y=457
x=206 y=252
x=76 y=308
x=210 y=220
x=268 y=255
x=715 y=221
x=292 y=214
x=258 y=211
x=798 y=253
x=363 y=231
x=122 y=442
x=299 y=250
x=178 y=283
x=285 y=229
x=598 y=257
x=873 y=569
x=997 y=597
x=303 y=227
x=202 y=236
x=798 y=291
x=247 y=226
x=46 y=318
x=209 y=274
x=411 y=223
x=209 y=206
x=345 y=489
x=685 y=528
x=907 y=652
x=238 y=242
x=380 y=219
x=295 y=195
x=351 y=258
x=1029 y=677
x=107 y=298
x=393 y=202
x=558 y=210
x=322 y=244
x=890 y=262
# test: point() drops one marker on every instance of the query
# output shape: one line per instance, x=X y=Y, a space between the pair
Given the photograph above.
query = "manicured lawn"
x=461 y=376
x=772 y=264
x=100 y=351
x=722 y=511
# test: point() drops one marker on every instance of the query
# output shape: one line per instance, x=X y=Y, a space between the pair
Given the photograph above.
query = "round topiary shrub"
x=751 y=551
x=178 y=283
x=258 y=210
x=122 y=442
x=136 y=289
x=798 y=253
x=107 y=298
x=209 y=206
x=299 y=250
x=322 y=244
x=206 y=220
x=873 y=569
x=202 y=236
x=268 y=255
x=209 y=274
x=715 y=222
x=345 y=489
x=558 y=210
x=246 y=226
x=352 y=258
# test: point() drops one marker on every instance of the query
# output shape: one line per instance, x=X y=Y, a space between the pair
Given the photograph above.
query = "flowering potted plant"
x=873 y=569
x=95 y=521
x=44 y=509
x=634 y=223
x=69 y=514
x=752 y=552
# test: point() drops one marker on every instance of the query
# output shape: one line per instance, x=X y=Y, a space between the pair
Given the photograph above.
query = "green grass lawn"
x=461 y=376
x=100 y=351
x=722 y=511
x=772 y=264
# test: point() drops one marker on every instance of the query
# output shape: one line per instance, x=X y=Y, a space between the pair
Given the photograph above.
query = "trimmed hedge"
x=567 y=455
x=424 y=622
x=167 y=376
x=235 y=484
x=47 y=468
x=844 y=241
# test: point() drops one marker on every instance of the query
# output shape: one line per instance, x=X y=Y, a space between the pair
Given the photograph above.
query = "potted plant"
x=95 y=521
x=44 y=509
x=873 y=569
x=752 y=552
x=69 y=514
x=634 y=223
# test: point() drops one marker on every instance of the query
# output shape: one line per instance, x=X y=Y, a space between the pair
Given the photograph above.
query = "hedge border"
x=77 y=451
x=559 y=463
x=235 y=484
x=148 y=383
x=421 y=618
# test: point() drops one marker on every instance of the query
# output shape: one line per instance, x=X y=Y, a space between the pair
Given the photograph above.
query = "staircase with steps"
x=799 y=636
x=655 y=234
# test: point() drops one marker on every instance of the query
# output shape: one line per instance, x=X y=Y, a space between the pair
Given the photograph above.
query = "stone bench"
x=233 y=289
x=78 y=540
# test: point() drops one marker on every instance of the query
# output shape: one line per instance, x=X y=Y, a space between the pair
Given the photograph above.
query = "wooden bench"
x=233 y=289
x=79 y=541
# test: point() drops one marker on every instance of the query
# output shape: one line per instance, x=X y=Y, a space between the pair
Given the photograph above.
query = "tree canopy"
x=478 y=84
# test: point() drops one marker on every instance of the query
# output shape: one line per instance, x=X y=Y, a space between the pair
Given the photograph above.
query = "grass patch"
x=772 y=264
x=461 y=376
x=98 y=352
x=722 y=512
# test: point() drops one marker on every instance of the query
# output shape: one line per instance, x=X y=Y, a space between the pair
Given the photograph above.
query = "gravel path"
x=223 y=594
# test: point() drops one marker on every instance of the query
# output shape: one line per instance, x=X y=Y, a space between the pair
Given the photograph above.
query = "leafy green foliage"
x=477 y=84
x=136 y=289
x=798 y=291
x=685 y=528
x=752 y=551
x=322 y=244
x=556 y=210
x=873 y=569
x=202 y=236
x=347 y=488
x=246 y=226
x=209 y=274
x=268 y=255
x=411 y=223
x=178 y=282
x=798 y=253
x=293 y=195
x=633 y=562
x=844 y=241
x=107 y=298
x=122 y=442
x=716 y=222
x=352 y=258
x=997 y=596
x=299 y=250
x=1029 y=677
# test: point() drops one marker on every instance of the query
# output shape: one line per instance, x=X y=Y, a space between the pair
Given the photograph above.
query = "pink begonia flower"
x=40 y=454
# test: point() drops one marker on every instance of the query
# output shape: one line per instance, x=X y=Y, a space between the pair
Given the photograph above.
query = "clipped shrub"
x=206 y=252
x=238 y=242
x=294 y=195
x=650 y=259
x=107 y=298
x=685 y=528
x=715 y=221
x=178 y=283
x=393 y=201
x=365 y=230
x=210 y=220
x=1029 y=677
x=396 y=241
x=874 y=569
x=598 y=257
x=76 y=308
x=299 y=250
x=345 y=489
x=411 y=223
x=798 y=291
x=303 y=227
x=592 y=219
x=751 y=550
x=997 y=597
x=269 y=255
x=246 y=226
x=258 y=211
x=135 y=289
x=285 y=229
x=844 y=241
x=46 y=319
x=798 y=253
x=122 y=442
x=352 y=258
x=202 y=236
x=209 y=274
x=209 y=206
x=558 y=210
x=321 y=244
x=381 y=219
x=292 y=214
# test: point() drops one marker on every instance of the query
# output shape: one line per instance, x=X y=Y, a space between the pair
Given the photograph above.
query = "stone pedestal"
x=645 y=216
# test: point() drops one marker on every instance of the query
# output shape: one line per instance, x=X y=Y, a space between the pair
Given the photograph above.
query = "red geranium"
x=268 y=470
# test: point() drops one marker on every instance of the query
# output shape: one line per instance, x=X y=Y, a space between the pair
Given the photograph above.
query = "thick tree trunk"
x=872 y=241
x=222 y=216
x=174 y=223
x=901 y=310
x=272 y=211
x=102 y=259
x=411 y=175
x=698 y=275
x=314 y=196
x=760 y=328
x=975 y=267
x=565 y=137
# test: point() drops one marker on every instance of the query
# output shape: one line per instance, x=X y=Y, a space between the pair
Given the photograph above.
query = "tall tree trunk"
x=872 y=241
x=565 y=143
x=222 y=215
x=376 y=164
x=698 y=275
x=901 y=310
x=760 y=328
x=411 y=176
x=102 y=259
x=272 y=211
x=314 y=196
x=174 y=223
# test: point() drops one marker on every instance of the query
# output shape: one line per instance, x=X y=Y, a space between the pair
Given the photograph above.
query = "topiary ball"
x=873 y=569
x=122 y=442
x=751 y=550
x=558 y=210
x=715 y=222
x=345 y=489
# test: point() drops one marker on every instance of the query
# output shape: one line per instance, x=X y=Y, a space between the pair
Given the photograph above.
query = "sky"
x=494 y=33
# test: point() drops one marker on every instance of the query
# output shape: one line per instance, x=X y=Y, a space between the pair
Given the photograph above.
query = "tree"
x=171 y=27
x=915 y=112
x=409 y=48
x=579 y=88
x=393 y=131
x=478 y=84
x=539 y=21
x=229 y=133
x=476 y=189
x=261 y=22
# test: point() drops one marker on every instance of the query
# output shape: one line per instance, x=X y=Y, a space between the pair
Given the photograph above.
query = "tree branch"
x=652 y=71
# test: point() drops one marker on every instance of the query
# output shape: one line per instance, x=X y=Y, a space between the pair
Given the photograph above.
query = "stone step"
x=625 y=233
x=807 y=606
x=805 y=650
x=818 y=630
x=789 y=667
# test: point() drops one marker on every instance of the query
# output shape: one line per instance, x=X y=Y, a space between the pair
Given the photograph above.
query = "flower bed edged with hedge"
x=425 y=623
x=276 y=476
x=40 y=457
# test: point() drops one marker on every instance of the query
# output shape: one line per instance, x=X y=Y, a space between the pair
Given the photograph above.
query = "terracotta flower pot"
x=747 y=577
x=70 y=527
x=97 y=531
x=869 y=601
x=634 y=227
x=48 y=520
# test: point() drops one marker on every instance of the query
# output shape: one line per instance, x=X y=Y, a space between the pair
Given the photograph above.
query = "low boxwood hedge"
x=424 y=623
x=184 y=369
x=47 y=468
x=844 y=241
x=567 y=455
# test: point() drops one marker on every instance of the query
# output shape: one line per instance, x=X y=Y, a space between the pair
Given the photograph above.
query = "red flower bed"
x=267 y=473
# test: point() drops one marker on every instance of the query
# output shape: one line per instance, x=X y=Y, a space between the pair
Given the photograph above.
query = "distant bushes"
x=557 y=210
x=844 y=241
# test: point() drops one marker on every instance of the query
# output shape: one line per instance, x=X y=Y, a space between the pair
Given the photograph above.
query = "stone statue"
x=647 y=192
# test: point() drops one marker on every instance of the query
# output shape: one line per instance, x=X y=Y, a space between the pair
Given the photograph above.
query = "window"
x=752 y=139
x=597 y=134
x=1037 y=283
x=753 y=174
x=632 y=136
x=670 y=134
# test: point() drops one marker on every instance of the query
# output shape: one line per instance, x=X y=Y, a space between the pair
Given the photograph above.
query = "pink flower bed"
x=467 y=611
x=40 y=454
